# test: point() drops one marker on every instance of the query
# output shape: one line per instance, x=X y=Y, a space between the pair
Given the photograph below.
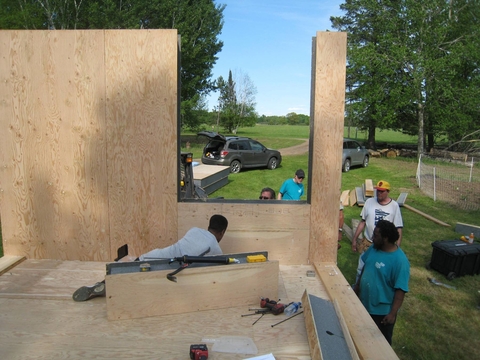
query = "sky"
x=271 y=42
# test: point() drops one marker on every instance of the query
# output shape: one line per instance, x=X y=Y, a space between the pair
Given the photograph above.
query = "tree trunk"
x=420 y=144
x=371 y=136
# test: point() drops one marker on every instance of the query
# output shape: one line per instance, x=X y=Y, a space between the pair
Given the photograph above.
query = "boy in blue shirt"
x=292 y=189
x=384 y=279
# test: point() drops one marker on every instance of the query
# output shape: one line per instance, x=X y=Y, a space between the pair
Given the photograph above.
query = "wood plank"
x=141 y=72
x=353 y=197
x=63 y=145
x=360 y=196
x=346 y=332
x=197 y=289
x=9 y=262
x=355 y=223
x=312 y=334
x=429 y=217
x=327 y=115
x=402 y=198
x=369 y=341
x=369 y=191
x=344 y=198
x=467 y=229
x=348 y=232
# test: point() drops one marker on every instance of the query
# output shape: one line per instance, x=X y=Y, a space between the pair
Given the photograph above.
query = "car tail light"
x=223 y=153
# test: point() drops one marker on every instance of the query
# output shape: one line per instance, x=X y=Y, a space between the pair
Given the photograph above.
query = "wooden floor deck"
x=39 y=320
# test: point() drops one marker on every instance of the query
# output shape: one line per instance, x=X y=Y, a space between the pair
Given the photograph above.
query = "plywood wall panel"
x=328 y=103
x=141 y=111
x=280 y=229
x=53 y=148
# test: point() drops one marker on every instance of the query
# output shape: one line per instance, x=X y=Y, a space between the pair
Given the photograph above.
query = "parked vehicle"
x=353 y=154
x=238 y=152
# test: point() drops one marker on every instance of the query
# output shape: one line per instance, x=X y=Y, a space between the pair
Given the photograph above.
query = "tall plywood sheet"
x=327 y=119
x=72 y=102
x=141 y=111
x=53 y=184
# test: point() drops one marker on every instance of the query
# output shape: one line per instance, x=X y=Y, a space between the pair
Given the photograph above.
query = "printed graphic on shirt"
x=380 y=215
x=379 y=265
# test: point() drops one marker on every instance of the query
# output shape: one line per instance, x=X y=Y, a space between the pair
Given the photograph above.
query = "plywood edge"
x=8 y=262
x=344 y=198
x=312 y=335
x=369 y=341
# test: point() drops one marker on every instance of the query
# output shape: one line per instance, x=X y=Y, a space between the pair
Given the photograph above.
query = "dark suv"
x=238 y=152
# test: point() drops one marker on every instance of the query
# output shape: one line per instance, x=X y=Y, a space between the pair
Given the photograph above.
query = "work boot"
x=89 y=292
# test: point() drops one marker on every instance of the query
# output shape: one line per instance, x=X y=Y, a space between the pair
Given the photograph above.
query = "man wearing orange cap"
x=381 y=207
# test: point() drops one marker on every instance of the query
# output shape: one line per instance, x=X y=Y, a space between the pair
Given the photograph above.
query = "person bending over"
x=195 y=242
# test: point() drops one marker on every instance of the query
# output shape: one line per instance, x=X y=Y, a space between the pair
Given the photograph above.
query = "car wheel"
x=365 y=161
x=272 y=163
x=346 y=165
x=235 y=166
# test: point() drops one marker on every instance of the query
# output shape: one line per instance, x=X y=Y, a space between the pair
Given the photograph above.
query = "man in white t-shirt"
x=195 y=242
x=375 y=209
x=381 y=207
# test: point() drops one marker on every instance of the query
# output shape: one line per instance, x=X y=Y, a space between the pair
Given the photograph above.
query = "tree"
x=236 y=102
x=406 y=60
x=199 y=23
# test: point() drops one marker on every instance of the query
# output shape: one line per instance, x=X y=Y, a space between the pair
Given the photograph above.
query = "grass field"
x=435 y=322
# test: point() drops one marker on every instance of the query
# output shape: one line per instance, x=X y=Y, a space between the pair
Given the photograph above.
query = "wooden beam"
x=327 y=116
x=369 y=192
x=425 y=215
x=8 y=262
x=369 y=341
x=346 y=332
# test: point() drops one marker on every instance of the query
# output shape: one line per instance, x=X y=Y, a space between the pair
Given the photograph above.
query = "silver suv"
x=353 y=154
x=238 y=152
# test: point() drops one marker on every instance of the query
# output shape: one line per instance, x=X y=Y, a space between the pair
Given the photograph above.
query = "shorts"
x=363 y=245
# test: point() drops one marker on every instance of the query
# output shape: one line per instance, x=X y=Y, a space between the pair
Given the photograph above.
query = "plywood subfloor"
x=39 y=320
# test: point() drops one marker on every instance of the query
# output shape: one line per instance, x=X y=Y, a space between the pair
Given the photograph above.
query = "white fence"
x=455 y=183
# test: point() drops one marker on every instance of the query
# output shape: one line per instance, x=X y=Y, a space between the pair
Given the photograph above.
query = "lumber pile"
x=358 y=195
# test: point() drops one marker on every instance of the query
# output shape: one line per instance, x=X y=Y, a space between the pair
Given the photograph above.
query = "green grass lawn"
x=434 y=322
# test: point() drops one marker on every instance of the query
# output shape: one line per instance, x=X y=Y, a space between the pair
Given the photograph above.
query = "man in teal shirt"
x=384 y=279
x=292 y=189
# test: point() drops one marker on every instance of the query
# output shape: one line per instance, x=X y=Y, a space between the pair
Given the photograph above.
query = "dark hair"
x=388 y=230
x=270 y=190
x=218 y=223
